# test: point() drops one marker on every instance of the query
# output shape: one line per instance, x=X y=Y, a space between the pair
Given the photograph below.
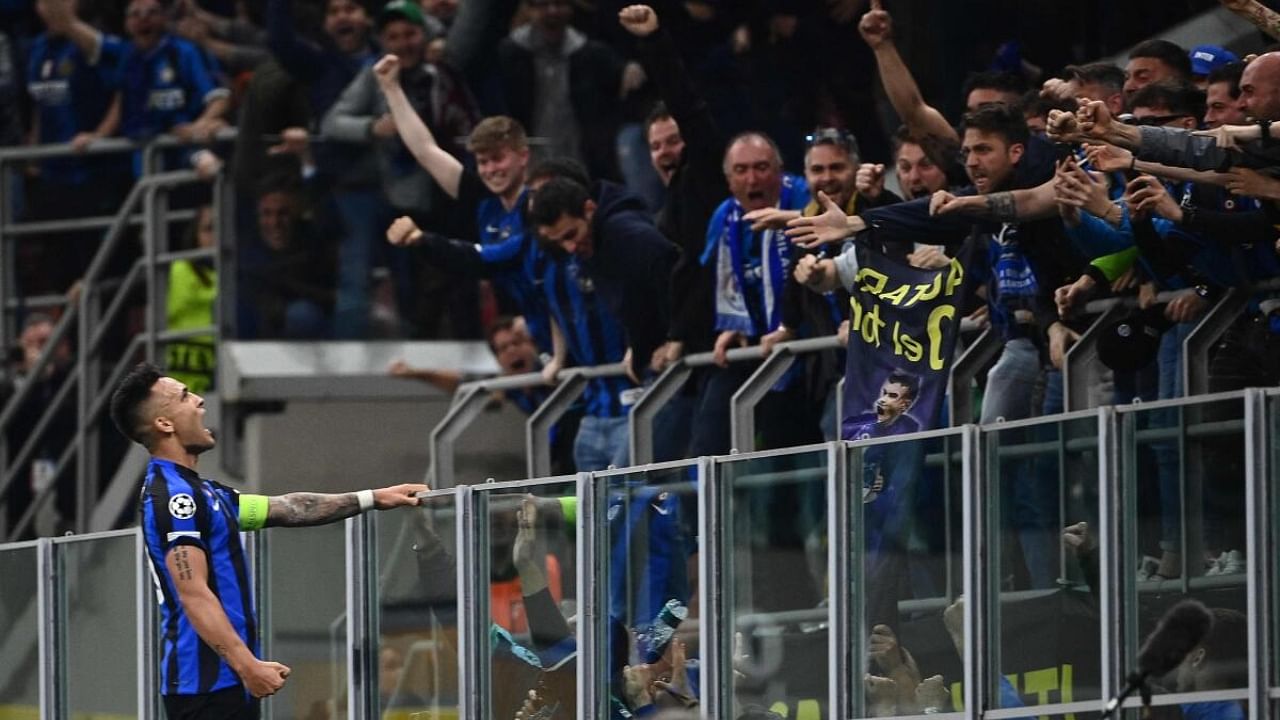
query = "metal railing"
x=1083 y=371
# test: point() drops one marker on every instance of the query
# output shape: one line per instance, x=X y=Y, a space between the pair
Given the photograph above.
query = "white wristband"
x=365 y=498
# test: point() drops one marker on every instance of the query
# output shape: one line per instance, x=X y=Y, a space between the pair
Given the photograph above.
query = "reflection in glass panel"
x=649 y=570
x=911 y=520
x=774 y=514
x=1183 y=470
x=418 y=602
x=1045 y=569
x=527 y=545
x=19 y=671
x=101 y=604
x=308 y=624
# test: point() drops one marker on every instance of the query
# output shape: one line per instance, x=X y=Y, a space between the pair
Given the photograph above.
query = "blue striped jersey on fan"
x=178 y=507
x=593 y=334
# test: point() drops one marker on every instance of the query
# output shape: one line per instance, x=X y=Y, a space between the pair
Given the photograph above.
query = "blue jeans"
x=1029 y=500
x=1054 y=402
x=1169 y=360
x=601 y=442
x=1011 y=382
x=365 y=217
x=305 y=320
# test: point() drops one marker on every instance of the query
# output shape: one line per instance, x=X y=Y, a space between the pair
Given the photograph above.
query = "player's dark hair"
x=127 y=401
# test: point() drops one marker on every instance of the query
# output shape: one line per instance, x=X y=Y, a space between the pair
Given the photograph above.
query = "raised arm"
x=920 y=117
x=302 y=509
x=1267 y=20
x=443 y=167
x=189 y=568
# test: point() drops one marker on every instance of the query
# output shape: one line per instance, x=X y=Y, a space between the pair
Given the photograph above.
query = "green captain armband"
x=253 y=512
x=569 y=507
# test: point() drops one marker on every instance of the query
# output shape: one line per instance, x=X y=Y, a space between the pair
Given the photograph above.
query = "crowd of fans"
x=609 y=185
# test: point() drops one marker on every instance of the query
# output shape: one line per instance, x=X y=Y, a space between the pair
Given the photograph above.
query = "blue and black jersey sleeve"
x=172 y=508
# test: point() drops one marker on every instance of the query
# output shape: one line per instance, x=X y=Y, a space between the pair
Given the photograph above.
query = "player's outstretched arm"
x=302 y=509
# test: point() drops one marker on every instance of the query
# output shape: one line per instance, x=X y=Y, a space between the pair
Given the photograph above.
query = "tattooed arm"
x=302 y=509
x=1267 y=20
x=189 y=568
x=1013 y=206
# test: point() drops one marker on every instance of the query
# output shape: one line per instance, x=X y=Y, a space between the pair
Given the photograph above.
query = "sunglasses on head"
x=1154 y=119
x=832 y=136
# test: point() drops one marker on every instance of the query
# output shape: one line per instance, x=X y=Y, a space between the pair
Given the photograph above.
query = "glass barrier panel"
x=19 y=640
x=307 y=627
x=648 y=551
x=528 y=547
x=910 y=515
x=775 y=581
x=417 y=596
x=1182 y=473
x=100 y=609
x=1043 y=478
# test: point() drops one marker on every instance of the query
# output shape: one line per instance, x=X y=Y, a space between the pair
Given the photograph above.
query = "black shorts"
x=232 y=703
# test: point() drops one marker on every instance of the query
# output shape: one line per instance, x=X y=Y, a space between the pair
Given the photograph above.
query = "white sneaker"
x=1214 y=566
x=1147 y=567
x=1232 y=563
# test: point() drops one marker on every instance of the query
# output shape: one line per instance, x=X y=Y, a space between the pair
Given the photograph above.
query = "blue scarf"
x=727 y=234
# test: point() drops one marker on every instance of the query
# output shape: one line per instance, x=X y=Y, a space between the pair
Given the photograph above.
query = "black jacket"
x=595 y=76
x=697 y=188
x=631 y=266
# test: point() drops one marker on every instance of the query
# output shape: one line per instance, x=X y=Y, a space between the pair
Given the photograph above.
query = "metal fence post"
x=471 y=565
x=148 y=637
x=977 y=356
x=1195 y=348
x=538 y=426
x=670 y=382
x=1114 y=621
x=845 y=573
x=1259 y=552
x=978 y=678
x=717 y=700
x=362 y=631
x=466 y=407
x=742 y=417
x=592 y=604
x=1080 y=369
x=52 y=633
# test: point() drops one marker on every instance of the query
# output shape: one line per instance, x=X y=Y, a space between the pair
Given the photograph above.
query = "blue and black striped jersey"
x=593 y=334
x=178 y=507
